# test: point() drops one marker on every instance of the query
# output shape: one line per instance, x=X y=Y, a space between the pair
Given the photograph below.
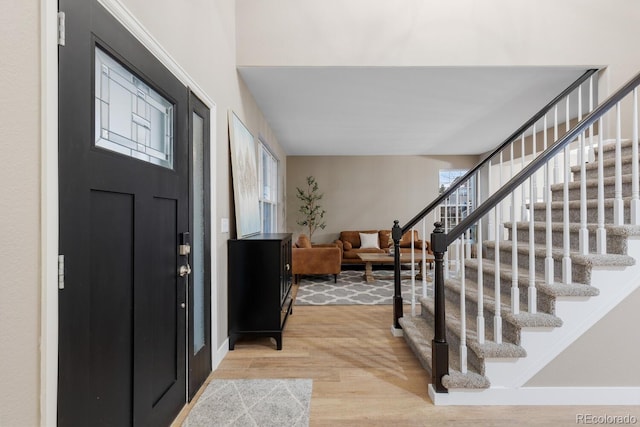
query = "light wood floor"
x=363 y=376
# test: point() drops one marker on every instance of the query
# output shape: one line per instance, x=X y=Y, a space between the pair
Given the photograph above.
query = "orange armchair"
x=308 y=259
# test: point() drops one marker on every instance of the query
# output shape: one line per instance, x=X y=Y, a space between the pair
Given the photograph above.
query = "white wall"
x=606 y=355
x=430 y=32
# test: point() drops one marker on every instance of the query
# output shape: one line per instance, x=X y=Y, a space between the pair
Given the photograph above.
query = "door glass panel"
x=130 y=117
x=198 y=234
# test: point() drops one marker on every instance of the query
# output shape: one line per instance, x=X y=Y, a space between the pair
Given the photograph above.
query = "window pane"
x=269 y=189
x=131 y=118
x=461 y=202
x=268 y=218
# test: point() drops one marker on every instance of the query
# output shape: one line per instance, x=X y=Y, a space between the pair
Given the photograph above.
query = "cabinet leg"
x=278 y=342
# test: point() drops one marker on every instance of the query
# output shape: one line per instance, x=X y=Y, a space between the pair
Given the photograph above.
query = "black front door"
x=124 y=202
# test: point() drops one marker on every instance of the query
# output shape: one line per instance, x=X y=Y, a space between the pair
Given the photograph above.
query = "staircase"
x=541 y=281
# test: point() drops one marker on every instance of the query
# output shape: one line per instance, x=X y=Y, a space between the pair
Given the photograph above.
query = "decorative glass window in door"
x=130 y=117
x=268 y=188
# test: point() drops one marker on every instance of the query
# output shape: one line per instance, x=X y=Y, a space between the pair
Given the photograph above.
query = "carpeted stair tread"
x=470 y=380
x=610 y=145
x=488 y=349
x=616 y=236
x=617 y=230
x=418 y=335
x=591 y=183
x=592 y=260
x=551 y=289
x=520 y=320
x=606 y=163
x=575 y=204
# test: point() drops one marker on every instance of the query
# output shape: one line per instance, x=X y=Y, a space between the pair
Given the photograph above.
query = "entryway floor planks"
x=363 y=376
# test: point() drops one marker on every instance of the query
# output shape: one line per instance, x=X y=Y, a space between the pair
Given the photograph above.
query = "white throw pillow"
x=369 y=240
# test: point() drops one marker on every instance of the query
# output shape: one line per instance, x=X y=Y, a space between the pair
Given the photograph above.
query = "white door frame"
x=49 y=222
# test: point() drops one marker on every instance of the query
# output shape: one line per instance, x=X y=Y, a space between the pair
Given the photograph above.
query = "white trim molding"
x=219 y=355
x=539 y=396
x=49 y=213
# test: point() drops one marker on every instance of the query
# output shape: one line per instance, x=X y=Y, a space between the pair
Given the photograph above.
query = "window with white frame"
x=268 y=173
x=459 y=204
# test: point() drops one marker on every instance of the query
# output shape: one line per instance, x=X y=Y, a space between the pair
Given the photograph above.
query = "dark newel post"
x=439 y=346
x=396 y=235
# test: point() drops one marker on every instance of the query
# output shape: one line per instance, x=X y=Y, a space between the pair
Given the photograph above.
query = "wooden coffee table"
x=386 y=259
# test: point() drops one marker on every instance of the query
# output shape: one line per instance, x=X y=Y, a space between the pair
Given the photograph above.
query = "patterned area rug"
x=260 y=403
x=352 y=289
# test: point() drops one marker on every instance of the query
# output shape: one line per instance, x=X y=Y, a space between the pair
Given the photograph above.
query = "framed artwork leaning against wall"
x=244 y=171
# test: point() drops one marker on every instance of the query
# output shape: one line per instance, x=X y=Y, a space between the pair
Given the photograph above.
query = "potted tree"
x=312 y=213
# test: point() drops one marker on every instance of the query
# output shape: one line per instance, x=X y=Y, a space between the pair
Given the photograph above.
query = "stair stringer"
x=509 y=376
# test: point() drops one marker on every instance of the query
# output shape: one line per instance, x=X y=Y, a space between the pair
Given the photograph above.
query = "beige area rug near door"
x=261 y=403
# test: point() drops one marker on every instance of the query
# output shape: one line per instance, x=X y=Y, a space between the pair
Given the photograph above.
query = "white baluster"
x=618 y=203
x=468 y=233
x=533 y=198
x=533 y=191
x=523 y=211
x=463 y=312
x=532 y=307
x=566 y=257
x=548 y=261
x=446 y=229
x=480 y=282
x=413 y=275
x=497 y=318
x=480 y=318
x=635 y=201
x=457 y=243
x=490 y=226
x=583 y=234
x=592 y=154
x=424 y=257
x=515 y=291
x=556 y=167
x=601 y=232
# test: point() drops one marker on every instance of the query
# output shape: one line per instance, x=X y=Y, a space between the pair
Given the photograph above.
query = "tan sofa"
x=350 y=244
x=308 y=259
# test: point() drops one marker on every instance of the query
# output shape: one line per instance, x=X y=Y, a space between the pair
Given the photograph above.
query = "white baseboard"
x=538 y=396
x=220 y=354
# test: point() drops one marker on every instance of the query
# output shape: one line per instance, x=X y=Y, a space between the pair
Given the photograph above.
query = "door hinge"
x=60 y=271
x=61 y=28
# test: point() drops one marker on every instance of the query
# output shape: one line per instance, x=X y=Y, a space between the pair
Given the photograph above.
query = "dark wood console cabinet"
x=259 y=271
